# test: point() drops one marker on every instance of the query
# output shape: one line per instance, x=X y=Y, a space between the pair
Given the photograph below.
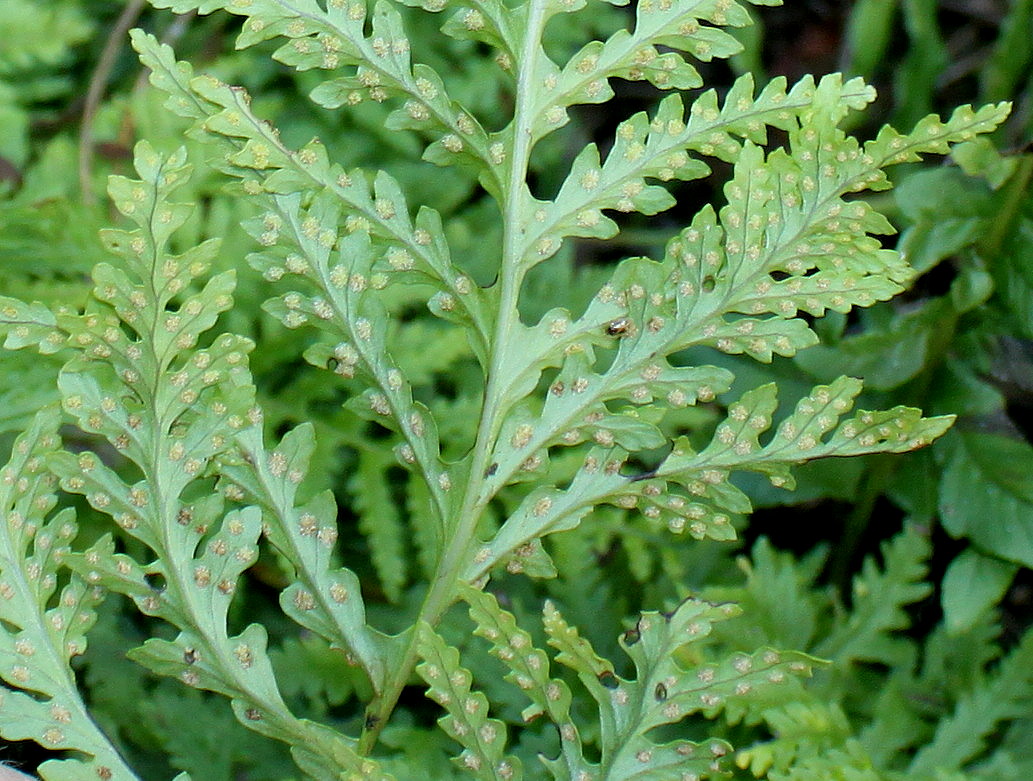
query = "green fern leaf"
x=664 y=691
x=173 y=410
x=879 y=598
x=223 y=115
x=483 y=738
x=39 y=635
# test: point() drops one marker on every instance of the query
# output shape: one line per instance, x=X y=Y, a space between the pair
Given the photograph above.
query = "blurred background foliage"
x=911 y=574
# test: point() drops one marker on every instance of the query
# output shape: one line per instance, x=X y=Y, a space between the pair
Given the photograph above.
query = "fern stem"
x=443 y=587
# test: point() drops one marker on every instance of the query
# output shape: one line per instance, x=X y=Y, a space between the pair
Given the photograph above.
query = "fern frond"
x=664 y=691
x=694 y=28
x=691 y=491
x=266 y=167
x=358 y=326
x=39 y=636
x=879 y=599
x=786 y=242
x=963 y=735
x=548 y=415
x=483 y=738
x=322 y=597
x=379 y=66
x=29 y=325
x=380 y=522
x=812 y=740
x=659 y=148
x=172 y=410
x=529 y=671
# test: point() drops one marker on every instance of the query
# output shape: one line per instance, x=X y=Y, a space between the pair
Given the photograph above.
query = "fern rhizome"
x=576 y=413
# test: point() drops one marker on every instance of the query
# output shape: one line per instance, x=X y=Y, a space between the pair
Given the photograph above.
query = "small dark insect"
x=372 y=720
x=618 y=327
x=190 y=656
x=491 y=469
x=660 y=692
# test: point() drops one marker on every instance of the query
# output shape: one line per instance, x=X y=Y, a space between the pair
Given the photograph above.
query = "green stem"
x=442 y=590
x=1003 y=223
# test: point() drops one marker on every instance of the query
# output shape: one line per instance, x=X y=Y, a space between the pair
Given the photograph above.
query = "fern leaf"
x=659 y=148
x=29 y=325
x=379 y=64
x=632 y=55
x=664 y=691
x=39 y=636
x=224 y=118
x=786 y=242
x=358 y=324
x=795 y=726
x=529 y=671
x=690 y=491
x=323 y=598
x=341 y=268
x=483 y=738
x=879 y=598
x=173 y=411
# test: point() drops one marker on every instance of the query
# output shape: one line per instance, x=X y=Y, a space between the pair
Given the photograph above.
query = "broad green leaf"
x=972 y=585
x=986 y=494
